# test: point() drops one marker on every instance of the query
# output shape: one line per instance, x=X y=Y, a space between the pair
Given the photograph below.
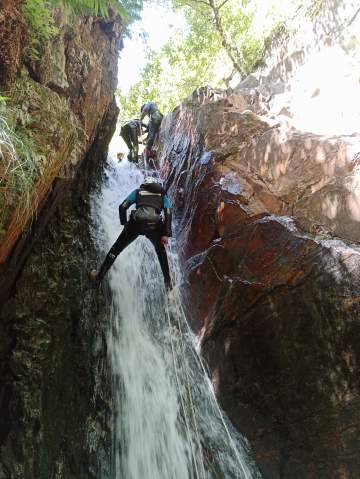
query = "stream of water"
x=167 y=423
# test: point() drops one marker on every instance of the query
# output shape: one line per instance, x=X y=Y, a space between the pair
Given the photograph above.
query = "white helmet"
x=148 y=180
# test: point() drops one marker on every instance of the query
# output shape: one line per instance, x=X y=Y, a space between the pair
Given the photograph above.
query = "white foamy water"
x=166 y=422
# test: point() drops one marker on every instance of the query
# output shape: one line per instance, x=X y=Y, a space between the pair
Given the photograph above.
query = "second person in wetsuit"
x=151 y=110
x=151 y=199
x=130 y=132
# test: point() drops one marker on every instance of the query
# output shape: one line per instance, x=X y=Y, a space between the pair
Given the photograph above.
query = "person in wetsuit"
x=151 y=199
x=151 y=110
x=130 y=132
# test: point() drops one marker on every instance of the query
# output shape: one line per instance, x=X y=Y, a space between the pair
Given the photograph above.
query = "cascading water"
x=167 y=424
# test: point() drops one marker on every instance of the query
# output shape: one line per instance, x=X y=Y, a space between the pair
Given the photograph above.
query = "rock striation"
x=268 y=222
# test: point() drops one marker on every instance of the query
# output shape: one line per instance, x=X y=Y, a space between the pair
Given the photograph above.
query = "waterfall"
x=166 y=424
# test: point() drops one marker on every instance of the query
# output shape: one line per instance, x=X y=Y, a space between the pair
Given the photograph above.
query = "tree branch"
x=232 y=51
x=197 y=1
x=222 y=4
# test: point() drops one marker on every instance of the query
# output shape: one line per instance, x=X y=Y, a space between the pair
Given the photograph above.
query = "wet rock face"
x=273 y=294
x=54 y=383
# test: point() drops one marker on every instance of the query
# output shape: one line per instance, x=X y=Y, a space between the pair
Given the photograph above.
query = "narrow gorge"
x=55 y=388
x=248 y=369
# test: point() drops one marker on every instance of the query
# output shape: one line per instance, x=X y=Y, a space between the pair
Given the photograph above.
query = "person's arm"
x=129 y=200
x=167 y=216
x=144 y=112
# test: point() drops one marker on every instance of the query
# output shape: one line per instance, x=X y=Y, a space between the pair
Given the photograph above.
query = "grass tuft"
x=19 y=166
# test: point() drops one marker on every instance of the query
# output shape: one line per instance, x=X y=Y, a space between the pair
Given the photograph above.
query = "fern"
x=126 y=9
x=92 y=7
x=41 y=25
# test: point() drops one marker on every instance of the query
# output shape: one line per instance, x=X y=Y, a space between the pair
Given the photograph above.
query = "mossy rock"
x=45 y=132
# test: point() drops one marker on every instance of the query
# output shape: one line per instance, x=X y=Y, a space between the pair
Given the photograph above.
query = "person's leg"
x=127 y=236
x=126 y=136
x=154 y=237
x=135 y=144
x=153 y=129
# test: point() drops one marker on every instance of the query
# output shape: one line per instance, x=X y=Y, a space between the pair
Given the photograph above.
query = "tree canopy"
x=223 y=40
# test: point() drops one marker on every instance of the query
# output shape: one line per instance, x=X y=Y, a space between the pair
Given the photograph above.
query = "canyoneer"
x=151 y=201
x=151 y=110
x=130 y=133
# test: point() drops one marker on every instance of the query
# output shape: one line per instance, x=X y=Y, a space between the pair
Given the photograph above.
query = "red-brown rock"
x=273 y=294
x=12 y=40
x=64 y=100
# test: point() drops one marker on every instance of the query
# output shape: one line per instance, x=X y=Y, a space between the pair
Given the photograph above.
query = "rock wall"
x=62 y=99
x=272 y=290
x=54 y=385
x=265 y=182
x=12 y=38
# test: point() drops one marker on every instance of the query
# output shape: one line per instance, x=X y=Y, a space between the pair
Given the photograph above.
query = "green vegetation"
x=19 y=161
x=32 y=149
x=315 y=8
x=41 y=24
x=226 y=39
x=101 y=7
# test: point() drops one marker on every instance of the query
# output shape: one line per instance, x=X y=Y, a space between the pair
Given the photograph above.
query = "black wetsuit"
x=130 y=132
x=150 y=200
x=155 y=120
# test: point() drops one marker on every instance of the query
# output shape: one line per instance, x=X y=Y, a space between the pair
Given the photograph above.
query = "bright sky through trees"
x=192 y=43
x=153 y=30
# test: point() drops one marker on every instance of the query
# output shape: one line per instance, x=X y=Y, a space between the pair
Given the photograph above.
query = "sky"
x=157 y=24
x=155 y=27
